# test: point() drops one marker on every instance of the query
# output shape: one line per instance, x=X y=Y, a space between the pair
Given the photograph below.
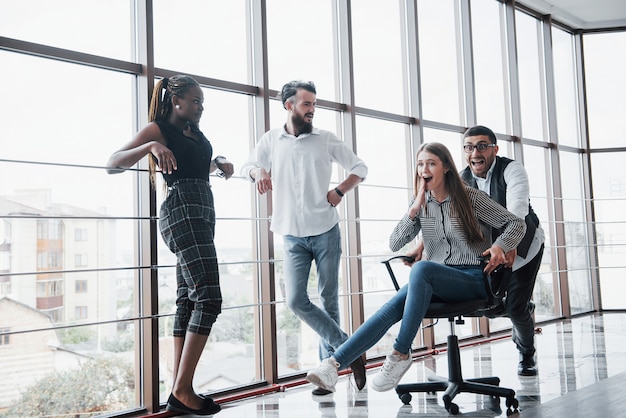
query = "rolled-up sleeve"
x=346 y=158
x=259 y=157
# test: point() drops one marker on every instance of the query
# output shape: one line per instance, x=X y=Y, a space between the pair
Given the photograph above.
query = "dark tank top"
x=193 y=158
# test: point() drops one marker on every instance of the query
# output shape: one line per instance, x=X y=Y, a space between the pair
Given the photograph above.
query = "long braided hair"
x=161 y=105
x=460 y=202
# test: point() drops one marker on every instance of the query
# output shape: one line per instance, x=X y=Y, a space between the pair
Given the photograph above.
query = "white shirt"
x=301 y=169
x=517 y=197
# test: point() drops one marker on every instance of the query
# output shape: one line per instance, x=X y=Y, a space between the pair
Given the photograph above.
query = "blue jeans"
x=325 y=250
x=427 y=280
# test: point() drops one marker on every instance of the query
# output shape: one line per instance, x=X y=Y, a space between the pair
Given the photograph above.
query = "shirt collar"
x=431 y=198
x=284 y=133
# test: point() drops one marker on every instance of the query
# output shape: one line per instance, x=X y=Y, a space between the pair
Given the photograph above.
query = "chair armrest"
x=390 y=270
x=497 y=282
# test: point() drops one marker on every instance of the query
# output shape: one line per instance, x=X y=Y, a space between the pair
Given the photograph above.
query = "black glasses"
x=469 y=148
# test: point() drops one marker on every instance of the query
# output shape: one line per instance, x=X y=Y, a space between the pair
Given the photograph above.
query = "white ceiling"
x=582 y=14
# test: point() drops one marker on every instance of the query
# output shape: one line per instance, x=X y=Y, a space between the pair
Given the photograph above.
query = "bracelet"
x=339 y=192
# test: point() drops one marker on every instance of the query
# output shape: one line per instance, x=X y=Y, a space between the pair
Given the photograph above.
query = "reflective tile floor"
x=578 y=361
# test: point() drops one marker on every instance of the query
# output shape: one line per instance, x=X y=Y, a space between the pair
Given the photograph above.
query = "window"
x=80 y=234
x=576 y=233
x=528 y=31
x=80 y=260
x=537 y=164
x=80 y=286
x=439 y=63
x=205 y=23
x=42 y=231
x=605 y=87
x=5 y=339
x=610 y=211
x=388 y=170
x=566 y=91
x=378 y=52
x=5 y=233
x=82 y=27
x=305 y=51
x=5 y=287
x=492 y=107
x=80 y=312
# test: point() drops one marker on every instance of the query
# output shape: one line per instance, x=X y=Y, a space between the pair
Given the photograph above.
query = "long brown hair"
x=161 y=104
x=460 y=201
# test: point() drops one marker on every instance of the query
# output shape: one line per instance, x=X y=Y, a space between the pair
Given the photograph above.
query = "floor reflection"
x=572 y=356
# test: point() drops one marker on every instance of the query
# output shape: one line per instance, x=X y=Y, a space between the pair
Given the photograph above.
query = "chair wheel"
x=511 y=404
x=406 y=398
x=453 y=409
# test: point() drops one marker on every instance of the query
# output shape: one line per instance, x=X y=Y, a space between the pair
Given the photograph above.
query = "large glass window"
x=576 y=239
x=73 y=24
x=439 y=61
x=492 y=103
x=565 y=87
x=300 y=44
x=609 y=190
x=203 y=37
x=383 y=200
x=605 y=86
x=54 y=154
x=378 y=52
x=538 y=168
x=531 y=85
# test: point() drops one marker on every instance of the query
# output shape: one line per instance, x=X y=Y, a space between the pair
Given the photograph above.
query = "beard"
x=301 y=125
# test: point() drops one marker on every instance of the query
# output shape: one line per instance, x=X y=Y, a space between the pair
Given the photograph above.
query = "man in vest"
x=506 y=181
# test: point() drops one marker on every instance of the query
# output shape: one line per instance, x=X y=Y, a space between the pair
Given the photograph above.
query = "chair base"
x=455 y=384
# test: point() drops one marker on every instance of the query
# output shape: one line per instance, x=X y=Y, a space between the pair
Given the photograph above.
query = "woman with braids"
x=183 y=154
x=455 y=221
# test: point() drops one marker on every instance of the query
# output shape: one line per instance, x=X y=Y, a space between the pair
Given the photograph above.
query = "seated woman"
x=456 y=222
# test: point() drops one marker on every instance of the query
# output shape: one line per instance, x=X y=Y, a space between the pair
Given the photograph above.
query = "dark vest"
x=497 y=191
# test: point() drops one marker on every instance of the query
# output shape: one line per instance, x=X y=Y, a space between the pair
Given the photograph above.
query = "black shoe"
x=321 y=392
x=209 y=407
x=527 y=366
x=210 y=404
x=358 y=370
x=496 y=311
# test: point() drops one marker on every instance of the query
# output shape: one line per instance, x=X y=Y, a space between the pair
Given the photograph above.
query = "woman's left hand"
x=496 y=257
x=226 y=166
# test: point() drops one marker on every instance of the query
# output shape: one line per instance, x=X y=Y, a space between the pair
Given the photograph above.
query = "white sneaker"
x=390 y=374
x=326 y=375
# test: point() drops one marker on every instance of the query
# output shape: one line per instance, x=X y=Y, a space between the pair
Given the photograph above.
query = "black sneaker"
x=321 y=391
x=527 y=365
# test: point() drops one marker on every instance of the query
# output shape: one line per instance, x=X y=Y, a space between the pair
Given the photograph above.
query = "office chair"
x=496 y=282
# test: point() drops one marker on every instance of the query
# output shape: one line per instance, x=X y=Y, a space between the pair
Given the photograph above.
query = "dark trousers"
x=187 y=222
x=518 y=304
